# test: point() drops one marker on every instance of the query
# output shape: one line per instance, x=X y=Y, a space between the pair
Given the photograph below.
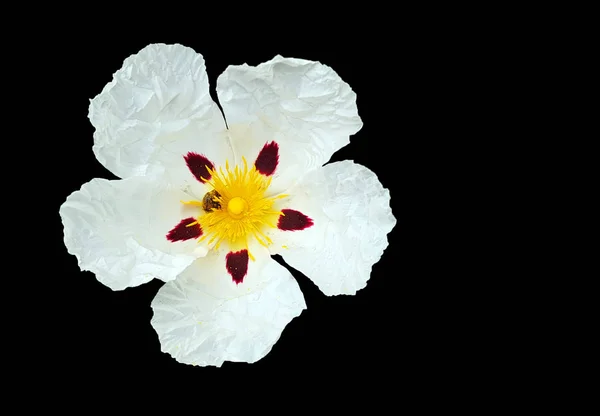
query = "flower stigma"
x=236 y=208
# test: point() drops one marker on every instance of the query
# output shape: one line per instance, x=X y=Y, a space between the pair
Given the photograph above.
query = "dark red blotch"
x=267 y=159
x=197 y=164
x=237 y=265
x=182 y=232
x=293 y=220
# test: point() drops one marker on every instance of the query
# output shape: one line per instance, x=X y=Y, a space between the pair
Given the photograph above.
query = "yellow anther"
x=240 y=210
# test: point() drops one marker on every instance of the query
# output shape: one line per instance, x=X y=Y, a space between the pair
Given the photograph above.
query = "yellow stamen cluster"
x=244 y=210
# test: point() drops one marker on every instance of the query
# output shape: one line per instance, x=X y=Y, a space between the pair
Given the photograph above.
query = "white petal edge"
x=117 y=230
x=155 y=110
x=352 y=217
x=302 y=105
x=199 y=326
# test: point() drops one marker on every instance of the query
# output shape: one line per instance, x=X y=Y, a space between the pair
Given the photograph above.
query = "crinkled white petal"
x=352 y=217
x=302 y=105
x=203 y=318
x=155 y=110
x=117 y=230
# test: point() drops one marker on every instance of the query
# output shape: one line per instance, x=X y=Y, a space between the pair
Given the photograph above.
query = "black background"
x=441 y=91
x=392 y=328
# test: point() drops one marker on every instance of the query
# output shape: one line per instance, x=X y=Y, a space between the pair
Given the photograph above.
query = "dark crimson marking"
x=197 y=165
x=237 y=265
x=293 y=220
x=181 y=232
x=267 y=159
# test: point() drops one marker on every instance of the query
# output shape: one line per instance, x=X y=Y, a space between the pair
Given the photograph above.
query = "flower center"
x=236 y=208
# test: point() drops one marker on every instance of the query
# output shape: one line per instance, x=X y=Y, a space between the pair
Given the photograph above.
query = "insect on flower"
x=211 y=201
x=202 y=205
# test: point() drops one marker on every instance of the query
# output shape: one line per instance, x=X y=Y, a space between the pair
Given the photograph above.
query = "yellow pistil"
x=236 y=207
x=244 y=212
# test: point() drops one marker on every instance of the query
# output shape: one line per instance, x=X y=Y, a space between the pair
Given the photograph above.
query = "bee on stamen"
x=209 y=202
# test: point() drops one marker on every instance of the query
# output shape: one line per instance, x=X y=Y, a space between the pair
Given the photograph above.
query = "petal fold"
x=118 y=230
x=203 y=318
x=156 y=109
x=303 y=106
x=351 y=216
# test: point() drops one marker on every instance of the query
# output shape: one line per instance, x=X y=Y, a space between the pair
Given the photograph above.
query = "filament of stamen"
x=244 y=211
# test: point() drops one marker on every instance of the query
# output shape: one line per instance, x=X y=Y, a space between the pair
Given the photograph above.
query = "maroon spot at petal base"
x=237 y=265
x=197 y=164
x=181 y=232
x=293 y=220
x=267 y=159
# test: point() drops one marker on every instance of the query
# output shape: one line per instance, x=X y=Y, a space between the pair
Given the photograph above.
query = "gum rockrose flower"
x=206 y=198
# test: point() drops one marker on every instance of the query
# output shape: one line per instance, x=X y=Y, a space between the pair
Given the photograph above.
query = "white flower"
x=203 y=204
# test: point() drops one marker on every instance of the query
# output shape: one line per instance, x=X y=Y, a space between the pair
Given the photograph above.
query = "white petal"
x=117 y=230
x=203 y=319
x=352 y=216
x=303 y=105
x=155 y=110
